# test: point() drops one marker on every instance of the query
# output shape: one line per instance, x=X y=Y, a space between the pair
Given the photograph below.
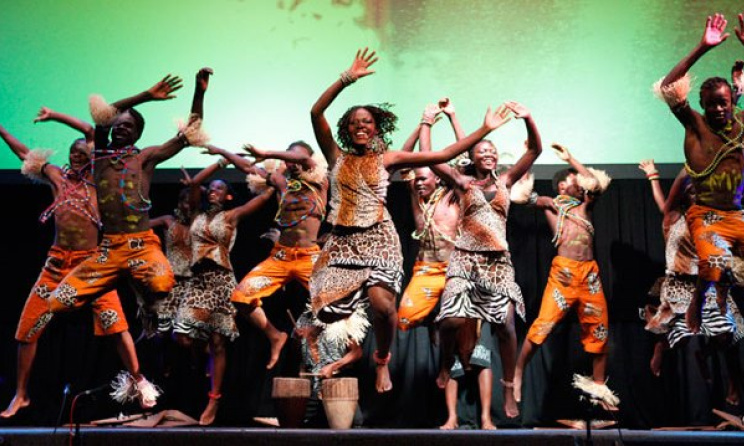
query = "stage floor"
x=358 y=437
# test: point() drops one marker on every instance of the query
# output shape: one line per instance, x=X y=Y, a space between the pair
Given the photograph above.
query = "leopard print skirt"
x=167 y=309
x=206 y=306
x=352 y=260
x=480 y=285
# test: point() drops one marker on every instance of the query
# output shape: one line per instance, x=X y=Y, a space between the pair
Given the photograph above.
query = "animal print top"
x=212 y=239
x=358 y=190
x=483 y=223
x=681 y=257
x=178 y=249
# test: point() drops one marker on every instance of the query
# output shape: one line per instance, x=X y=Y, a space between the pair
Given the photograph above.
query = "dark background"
x=629 y=250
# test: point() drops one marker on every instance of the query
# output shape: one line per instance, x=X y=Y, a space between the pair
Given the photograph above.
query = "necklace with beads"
x=565 y=203
x=295 y=185
x=118 y=160
x=427 y=210
x=74 y=179
x=729 y=146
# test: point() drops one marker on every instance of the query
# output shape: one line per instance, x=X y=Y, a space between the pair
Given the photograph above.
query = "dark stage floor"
x=358 y=437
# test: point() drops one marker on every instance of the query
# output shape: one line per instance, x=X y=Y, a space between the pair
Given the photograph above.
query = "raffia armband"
x=674 y=94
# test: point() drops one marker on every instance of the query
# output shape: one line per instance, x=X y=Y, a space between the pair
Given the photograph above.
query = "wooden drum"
x=290 y=398
x=340 y=397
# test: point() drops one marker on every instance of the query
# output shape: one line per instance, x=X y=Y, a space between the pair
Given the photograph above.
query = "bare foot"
x=443 y=378
x=210 y=413
x=517 y=387
x=450 y=424
x=276 y=348
x=510 y=404
x=383 y=383
x=487 y=424
x=16 y=404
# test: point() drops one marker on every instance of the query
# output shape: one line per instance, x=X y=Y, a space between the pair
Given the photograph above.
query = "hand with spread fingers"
x=164 y=89
x=561 y=151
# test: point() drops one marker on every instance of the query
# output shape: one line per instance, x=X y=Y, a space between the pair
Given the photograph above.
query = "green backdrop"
x=584 y=68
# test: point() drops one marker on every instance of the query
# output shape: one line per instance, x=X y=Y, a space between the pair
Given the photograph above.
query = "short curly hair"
x=714 y=83
x=385 y=120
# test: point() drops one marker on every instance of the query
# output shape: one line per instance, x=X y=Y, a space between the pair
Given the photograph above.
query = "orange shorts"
x=422 y=293
x=283 y=265
x=573 y=281
x=716 y=234
x=108 y=316
x=136 y=257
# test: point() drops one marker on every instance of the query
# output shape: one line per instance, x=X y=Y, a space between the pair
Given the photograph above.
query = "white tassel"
x=352 y=328
x=598 y=182
x=124 y=389
x=193 y=132
x=521 y=190
x=597 y=392
x=102 y=112
x=35 y=160
x=316 y=175
x=675 y=93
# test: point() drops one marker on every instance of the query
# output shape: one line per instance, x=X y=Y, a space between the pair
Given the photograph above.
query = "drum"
x=290 y=399
x=340 y=397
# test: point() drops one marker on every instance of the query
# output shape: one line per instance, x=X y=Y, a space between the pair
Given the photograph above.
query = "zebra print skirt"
x=480 y=285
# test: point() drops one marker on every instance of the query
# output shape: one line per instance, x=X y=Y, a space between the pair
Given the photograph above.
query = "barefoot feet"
x=277 y=343
x=210 y=413
x=16 y=404
x=383 y=382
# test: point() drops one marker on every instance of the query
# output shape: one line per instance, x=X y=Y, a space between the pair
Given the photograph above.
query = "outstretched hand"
x=45 y=114
x=561 y=151
x=362 y=62
x=431 y=113
x=648 y=166
x=446 y=105
x=740 y=30
x=520 y=111
x=497 y=118
x=186 y=180
x=256 y=153
x=209 y=149
x=714 y=31
x=163 y=90
x=202 y=78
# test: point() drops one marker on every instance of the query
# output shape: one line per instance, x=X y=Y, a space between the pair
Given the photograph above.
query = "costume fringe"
x=521 y=190
x=353 y=328
x=193 y=132
x=675 y=93
x=316 y=175
x=597 y=392
x=737 y=270
x=35 y=161
x=124 y=388
x=597 y=183
x=256 y=183
x=102 y=112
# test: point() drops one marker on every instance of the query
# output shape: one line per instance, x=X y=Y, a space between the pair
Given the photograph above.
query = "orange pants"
x=283 y=265
x=573 y=281
x=136 y=256
x=108 y=315
x=422 y=293
x=715 y=233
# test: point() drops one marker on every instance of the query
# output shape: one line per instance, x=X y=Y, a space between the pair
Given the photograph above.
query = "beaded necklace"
x=565 y=203
x=73 y=180
x=730 y=145
x=295 y=185
x=427 y=210
x=118 y=157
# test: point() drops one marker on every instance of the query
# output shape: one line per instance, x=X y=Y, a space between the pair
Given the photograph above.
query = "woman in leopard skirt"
x=362 y=258
x=206 y=313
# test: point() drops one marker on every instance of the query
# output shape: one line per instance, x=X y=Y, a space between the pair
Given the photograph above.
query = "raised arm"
x=252 y=205
x=446 y=105
x=492 y=121
x=649 y=168
x=443 y=171
x=712 y=36
x=202 y=82
x=161 y=91
x=534 y=144
x=323 y=134
x=20 y=149
x=300 y=157
x=413 y=138
x=46 y=114
x=195 y=185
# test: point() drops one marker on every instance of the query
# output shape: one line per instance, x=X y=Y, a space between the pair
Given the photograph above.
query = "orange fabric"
x=715 y=233
x=283 y=265
x=422 y=294
x=571 y=282
x=108 y=315
x=135 y=256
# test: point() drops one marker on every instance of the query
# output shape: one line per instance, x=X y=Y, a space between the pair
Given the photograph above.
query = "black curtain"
x=629 y=250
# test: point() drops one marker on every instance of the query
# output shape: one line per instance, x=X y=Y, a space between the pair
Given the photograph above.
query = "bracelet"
x=428 y=120
x=347 y=78
x=223 y=163
x=654 y=178
x=182 y=138
x=533 y=198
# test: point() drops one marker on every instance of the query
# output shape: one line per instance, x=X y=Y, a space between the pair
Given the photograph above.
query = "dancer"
x=302 y=201
x=714 y=162
x=205 y=313
x=574 y=274
x=480 y=276
x=436 y=214
x=122 y=176
x=76 y=224
x=362 y=254
x=678 y=286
